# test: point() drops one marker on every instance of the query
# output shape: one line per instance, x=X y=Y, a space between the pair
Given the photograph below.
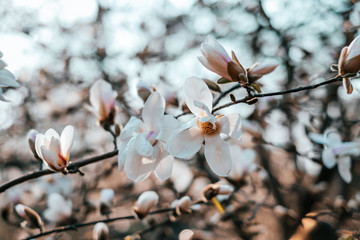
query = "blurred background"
x=58 y=48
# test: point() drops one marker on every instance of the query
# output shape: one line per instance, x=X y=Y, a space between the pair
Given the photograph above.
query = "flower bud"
x=186 y=234
x=212 y=190
x=145 y=202
x=32 y=219
x=31 y=139
x=260 y=69
x=101 y=231
x=182 y=206
x=106 y=201
x=143 y=90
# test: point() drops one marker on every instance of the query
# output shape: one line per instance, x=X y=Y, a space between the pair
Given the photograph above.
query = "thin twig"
x=72 y=168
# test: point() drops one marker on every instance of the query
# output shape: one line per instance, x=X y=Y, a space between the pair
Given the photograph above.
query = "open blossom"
x=54 y=149
x=349 y=62
x=145 y=202
x=102 y=99
x=337 y=152
x=188 y=140
x=7 y=79
x=142 y=148
x=59 y=210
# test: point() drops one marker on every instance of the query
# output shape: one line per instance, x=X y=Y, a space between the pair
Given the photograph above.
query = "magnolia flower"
x=217 y=60
x=7 y=79
x=242 y=162
x=182 y=206
x=337 y=152
x=59 y=210
x=349 y=62
x=32 y=219
x=101 y=231
x=260 y=69
x=188 y=140
x=145 y=202
x=54 y=149
x=106 y=200
x=102 y=99
x=142 y=149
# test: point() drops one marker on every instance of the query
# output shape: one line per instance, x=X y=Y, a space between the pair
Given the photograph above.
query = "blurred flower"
x=243 y=161
x=102 y=99
x=182 y=206
x=337 y=152
x=142 y=149
x=59 y=210
x=7 y=79
x=106 y=200
x=183 y=177
x=31 y=138
x=188 y=139
x=54 y=149
x=186 y=234
x=101 y=231
x=145 y=202
x=349 y=63
x=217 y=60
x=212 y=190
x=32 y=219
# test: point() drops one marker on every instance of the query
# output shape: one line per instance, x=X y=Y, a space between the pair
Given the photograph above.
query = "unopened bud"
x=186 y=234
x=32 y=219
x=182 y=206
x=101 y=231
x=145 y=202
x=117 y=129
x=143 y=90
x=106 y=201
x=232 y=98
x=212 y=86
x=339 y=202
x=212 y=190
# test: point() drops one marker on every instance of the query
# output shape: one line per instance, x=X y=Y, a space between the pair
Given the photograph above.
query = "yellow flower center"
x=208 y=127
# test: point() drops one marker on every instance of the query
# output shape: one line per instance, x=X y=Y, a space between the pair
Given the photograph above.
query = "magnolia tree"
x=190 y=164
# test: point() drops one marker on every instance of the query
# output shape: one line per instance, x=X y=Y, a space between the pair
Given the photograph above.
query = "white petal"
x=123 y=151
x=328 y=158
x=167 y=126
x=67 y=139
x=137 y=168
x=216 y=45
x=332 y=137
x=7 y=79
x=49 y=134
x=197 y=90
x=39 y=142
x=50 y=158
x=133 y=126
x=163 y=163
x=217 y=154
x=54 y=146
x=186 y=143
x=146 y=201
x=354 y=48
x=347 y=148
x=231 y=126
x=143 y=146
x=344 y=167
x=153 y=111
x=318 y=138
x=101 y=93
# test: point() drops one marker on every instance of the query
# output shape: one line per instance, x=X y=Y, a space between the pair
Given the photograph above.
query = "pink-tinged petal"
x=231 y=126
x=263 y=68
x=186 y=143
x=54 y=146
x=354 y=49
x=133 y=126
x=163 y=163
x=123 y=151
x=50 y=158
x=196 y=90
x=7 y=79
x=344 y=167
x=153 y=111
x=328 y=158
x=67 y=139
x=137 y=168
x=39 y=142
x=217 y=154
x=215 y=62
x=143 y=146
x=167 y=126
